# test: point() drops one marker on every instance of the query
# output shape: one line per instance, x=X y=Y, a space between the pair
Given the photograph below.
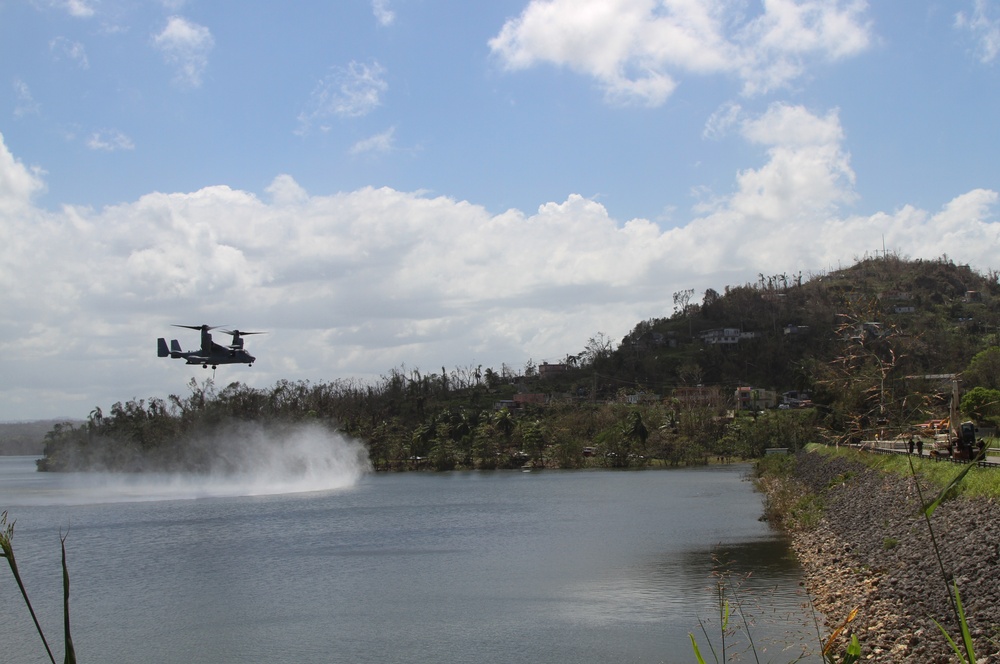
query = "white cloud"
x=636 y=49
x=284 y=190
x=75 y=8
x=355 y=283
x=61 y=47
x=382 y=142
x=984 y=26
x=383 y=14
x=110 y=140
x=186 y=46
x=346 y=92
x=18 y=183
x=24 y=103
x=79 y=8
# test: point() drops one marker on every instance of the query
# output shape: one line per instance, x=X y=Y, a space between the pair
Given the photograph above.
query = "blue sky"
x=452 y=184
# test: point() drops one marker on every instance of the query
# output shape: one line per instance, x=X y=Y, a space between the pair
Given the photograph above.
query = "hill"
x=780 y=330
x=24 y=438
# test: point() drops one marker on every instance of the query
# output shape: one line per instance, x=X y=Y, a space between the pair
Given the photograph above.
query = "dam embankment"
x=870 y=548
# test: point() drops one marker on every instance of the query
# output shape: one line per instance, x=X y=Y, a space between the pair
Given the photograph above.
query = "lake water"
x=511 y=567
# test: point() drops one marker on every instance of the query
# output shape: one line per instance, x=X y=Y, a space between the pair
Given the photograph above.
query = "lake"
x=335 y=564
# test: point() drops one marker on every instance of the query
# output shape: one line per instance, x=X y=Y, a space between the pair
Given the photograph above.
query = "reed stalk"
x=7 y=551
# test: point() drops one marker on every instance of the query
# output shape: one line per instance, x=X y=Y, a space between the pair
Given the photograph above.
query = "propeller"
x=238 y=338
x=203 y=328
x=241 y=333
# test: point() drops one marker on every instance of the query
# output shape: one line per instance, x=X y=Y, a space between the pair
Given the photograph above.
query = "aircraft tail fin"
x=161 y=347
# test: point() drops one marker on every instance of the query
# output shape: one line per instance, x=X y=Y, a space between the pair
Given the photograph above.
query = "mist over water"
x=246 y=459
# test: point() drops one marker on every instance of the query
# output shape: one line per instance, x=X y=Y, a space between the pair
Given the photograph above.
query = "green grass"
x=978 y=483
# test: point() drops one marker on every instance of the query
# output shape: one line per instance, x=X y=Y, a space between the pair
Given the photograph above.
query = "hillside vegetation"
x=861 y=350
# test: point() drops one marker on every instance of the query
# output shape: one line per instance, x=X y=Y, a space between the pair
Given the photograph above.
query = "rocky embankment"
x=871 y=550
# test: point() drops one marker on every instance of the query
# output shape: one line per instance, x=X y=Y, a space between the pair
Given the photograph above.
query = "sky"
x=443 y=184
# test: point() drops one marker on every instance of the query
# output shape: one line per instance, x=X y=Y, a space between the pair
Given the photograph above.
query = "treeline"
x=416 y=425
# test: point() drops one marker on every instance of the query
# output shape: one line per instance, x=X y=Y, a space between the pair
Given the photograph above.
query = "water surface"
x=540 y=567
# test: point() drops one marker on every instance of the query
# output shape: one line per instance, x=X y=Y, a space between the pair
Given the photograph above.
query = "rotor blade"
x=241 y=332
x=198 y=327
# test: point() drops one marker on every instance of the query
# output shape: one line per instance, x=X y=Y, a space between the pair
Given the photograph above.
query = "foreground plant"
x=7 y=551
x=853 y=652
x=726 y=588
x=928 y=508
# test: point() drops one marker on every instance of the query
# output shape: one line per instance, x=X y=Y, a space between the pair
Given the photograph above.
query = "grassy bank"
x=977 y=483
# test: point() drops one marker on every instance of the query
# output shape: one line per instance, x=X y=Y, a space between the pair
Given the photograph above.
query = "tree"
x=984 y=369
x=492 y=378
x=624 y=442
x=598 y=347
x=982 y=404
x=682 y=300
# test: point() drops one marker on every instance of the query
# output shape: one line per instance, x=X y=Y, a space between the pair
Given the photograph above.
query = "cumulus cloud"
x=109 y=140
x=983 y=24
x=346 y=92
x=355 y=283
x=18 y=183
x=637 y=49
x=383 y=14
x=185 y=45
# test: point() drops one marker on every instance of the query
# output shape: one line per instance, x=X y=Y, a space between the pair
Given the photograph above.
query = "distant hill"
x=778 y=331
x=25 y=438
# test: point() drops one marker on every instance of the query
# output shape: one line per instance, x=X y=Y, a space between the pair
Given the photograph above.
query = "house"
x=697 y=396
x=864 y=331
x=753 y=398
x=527 y=398
x=795 y=330
x=546 y=370
x=721 y=336
x=901 y=309
x=641 y=397
x=796 y=399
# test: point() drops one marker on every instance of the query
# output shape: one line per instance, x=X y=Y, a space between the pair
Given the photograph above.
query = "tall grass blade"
x=951 y=642
x=929 y=509
x=964 y=625
x=7 y=551
x=70 y=652
x=708 y=640
x=697 y=653
x=956 y=600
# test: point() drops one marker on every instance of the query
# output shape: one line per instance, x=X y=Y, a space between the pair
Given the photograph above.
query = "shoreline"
x=871 y=550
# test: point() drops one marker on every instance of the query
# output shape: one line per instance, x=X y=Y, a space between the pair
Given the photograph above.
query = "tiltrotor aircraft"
x=210 y=353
